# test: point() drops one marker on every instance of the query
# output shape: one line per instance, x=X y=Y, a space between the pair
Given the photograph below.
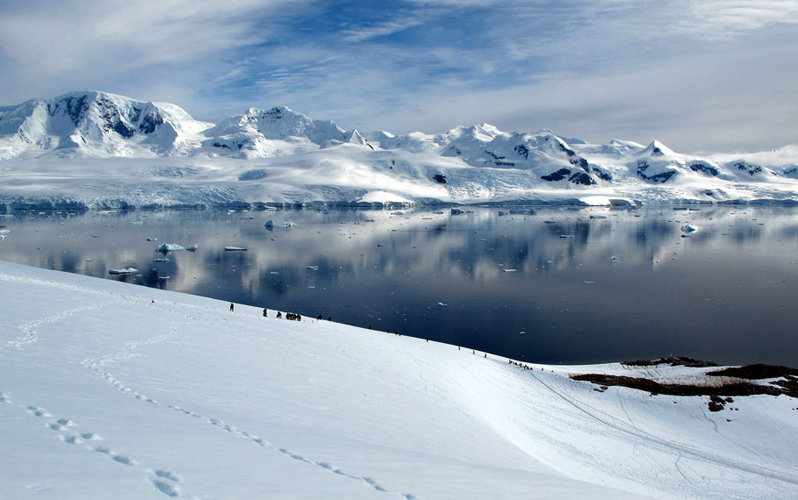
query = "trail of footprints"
x=163 y=480
x=235 y=431
x=29 y=334
x=67 y=430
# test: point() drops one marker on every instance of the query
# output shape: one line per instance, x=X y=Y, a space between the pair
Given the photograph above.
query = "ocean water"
x=548 y=285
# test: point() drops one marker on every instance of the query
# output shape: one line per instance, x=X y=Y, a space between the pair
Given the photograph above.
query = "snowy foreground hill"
x=90 y=149
x=109 y=390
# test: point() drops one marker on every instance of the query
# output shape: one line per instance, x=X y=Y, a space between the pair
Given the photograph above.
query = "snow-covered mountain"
x=96 y=124
x=260 y=133
x=278 y=155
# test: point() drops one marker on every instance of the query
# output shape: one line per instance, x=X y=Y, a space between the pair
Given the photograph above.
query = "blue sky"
x=710 y=75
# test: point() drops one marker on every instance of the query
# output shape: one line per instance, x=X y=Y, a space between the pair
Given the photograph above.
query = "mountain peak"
x=656 y=148
x=95 y=123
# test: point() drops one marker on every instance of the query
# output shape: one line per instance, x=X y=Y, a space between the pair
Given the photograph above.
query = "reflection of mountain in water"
x=578 y=277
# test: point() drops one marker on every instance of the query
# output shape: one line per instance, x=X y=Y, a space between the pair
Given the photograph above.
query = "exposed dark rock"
x=673 y=361
x=741 y=388
x=123 y=130
x=556 y=176
x=568 y=151
x=76 y=107
x=441 y=179
x=582 y=178
x=581 y=163
x=522 y=150
x=716 y=403
x=660 y=178
x=604 y=176
x=756 y=372
x=150 y=123
x=704 y=169
x=747 y=167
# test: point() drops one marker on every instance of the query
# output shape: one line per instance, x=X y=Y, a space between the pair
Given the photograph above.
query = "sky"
x=698 y=75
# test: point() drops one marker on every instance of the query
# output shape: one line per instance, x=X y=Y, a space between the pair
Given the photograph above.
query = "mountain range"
x=157 y=154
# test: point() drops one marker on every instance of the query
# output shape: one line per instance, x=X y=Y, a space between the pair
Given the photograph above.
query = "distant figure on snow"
x=279 y=315
x=232 y=307
x=265 y=311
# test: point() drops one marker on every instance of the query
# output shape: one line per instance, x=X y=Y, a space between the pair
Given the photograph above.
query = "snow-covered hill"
x=152 y=154
x=109 y=390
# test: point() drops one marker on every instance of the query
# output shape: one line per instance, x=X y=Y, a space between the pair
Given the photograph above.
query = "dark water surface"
x=553 y=286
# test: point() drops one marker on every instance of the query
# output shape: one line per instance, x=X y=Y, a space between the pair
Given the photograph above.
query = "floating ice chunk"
x=169 y=247
x=123 y=271
x=313 y=268
x=235 y=249
x=689 y=229
x=192 y=248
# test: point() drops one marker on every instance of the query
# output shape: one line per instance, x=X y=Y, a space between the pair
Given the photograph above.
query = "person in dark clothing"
x=232 y=307
x=265 y=311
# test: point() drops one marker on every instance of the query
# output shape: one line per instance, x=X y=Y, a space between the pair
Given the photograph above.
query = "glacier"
x=96 y=150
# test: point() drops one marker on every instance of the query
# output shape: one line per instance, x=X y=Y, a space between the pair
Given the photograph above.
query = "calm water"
x=553 y=286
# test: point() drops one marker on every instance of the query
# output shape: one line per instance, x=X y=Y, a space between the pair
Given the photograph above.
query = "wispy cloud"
x=702 y=73
x=364 y=33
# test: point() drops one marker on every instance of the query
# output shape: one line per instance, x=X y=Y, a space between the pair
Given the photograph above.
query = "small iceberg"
x=192 y=248
x=168 y=247
x=441 y=304
x=313 y=268
x=235 y=249
x=124 y=271
x=689 y=229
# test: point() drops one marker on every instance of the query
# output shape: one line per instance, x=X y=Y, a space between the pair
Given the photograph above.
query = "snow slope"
x=112 y=390
x=277 y=155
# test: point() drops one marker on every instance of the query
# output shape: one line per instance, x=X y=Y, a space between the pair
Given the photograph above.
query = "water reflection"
x=572 y=286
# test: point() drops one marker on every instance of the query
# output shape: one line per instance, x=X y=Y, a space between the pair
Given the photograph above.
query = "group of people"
x=291 y=316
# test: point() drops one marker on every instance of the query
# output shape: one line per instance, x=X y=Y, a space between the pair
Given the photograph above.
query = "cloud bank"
x=697 y=75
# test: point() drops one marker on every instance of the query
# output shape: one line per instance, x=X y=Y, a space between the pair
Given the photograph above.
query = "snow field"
x=104 y=392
